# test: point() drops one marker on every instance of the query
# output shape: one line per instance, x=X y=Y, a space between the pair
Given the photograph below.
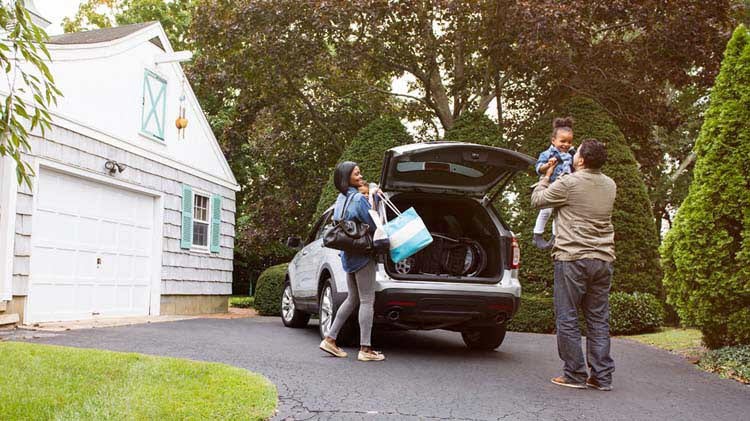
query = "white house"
x=127 y=216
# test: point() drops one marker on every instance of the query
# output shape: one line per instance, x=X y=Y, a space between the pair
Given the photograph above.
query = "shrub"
x=536 y=315
x=269 y=291
x=706 y=254
x=634 y=313
x=367 y=150
x=731 y=361
x=636 y=240
x=629 y=314
x=242 y=302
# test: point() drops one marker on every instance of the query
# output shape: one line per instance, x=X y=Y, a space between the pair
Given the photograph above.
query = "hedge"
x=629 y=314
x=367 y=149
x=636 y=240
x=634 y=313
x=706 y=253
x=269 y=290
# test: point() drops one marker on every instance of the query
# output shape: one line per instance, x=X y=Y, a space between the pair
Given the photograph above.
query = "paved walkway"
x=431 y=375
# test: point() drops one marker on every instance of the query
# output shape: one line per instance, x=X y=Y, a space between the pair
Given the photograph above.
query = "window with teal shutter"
x=154 y=105
x=187 y=217
x=215 y=223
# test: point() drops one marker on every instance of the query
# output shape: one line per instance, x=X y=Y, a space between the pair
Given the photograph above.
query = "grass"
x=686 y=342
x=61 y=383
x=242 y=301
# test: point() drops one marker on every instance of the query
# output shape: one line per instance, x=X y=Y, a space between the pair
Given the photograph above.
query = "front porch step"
x=9 y=319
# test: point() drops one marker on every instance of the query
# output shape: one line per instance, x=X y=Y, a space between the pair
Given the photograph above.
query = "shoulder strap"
x=346 y=206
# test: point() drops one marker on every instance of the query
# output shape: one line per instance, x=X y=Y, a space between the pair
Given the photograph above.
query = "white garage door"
x=91 y=250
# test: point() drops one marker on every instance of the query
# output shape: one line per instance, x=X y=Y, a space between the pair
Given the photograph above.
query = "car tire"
x=327 y=311
x=484 y=339
x=290 y=316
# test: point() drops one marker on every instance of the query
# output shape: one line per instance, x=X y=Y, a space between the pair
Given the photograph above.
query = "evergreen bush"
x=636 y=240
x=367 y=150
x=270 y=289
x=536 y=315
x=706 y=253
x=634 y=313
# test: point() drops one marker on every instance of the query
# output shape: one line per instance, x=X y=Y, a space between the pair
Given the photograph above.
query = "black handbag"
x=349 y=236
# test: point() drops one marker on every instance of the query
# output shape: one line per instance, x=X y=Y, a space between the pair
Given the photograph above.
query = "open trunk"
x=466 y=248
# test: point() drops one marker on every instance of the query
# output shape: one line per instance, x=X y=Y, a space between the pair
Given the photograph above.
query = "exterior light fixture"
x=113 y=166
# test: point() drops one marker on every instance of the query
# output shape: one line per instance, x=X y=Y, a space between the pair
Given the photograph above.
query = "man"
x=584 y=252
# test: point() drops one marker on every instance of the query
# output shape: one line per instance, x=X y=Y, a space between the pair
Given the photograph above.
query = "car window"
x=320 y=226
x=327 y=222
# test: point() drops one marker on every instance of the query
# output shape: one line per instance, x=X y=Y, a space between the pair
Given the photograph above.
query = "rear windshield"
x=446 y=173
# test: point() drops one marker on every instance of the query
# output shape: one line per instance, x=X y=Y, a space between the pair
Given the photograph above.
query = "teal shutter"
x=187 y=217
x=215 y=223
x=154 y=105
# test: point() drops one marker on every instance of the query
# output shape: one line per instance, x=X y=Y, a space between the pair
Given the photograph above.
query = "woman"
x=360 y=268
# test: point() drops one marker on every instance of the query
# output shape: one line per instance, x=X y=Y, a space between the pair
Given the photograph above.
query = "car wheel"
x=484 y=339
x=327 y=311
x=289 y=313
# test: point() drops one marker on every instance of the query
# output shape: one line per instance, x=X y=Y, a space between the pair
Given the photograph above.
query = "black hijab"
x=341 y=175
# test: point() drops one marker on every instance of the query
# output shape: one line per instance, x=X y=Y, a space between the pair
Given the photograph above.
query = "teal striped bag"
x=406 y=232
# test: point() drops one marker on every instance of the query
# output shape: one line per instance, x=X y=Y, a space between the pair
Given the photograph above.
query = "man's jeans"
x=584 y=283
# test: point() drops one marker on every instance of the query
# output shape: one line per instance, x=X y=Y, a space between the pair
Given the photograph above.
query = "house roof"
x=99 y=35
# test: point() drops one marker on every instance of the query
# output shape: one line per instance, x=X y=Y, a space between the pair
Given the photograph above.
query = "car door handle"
x=304 y=253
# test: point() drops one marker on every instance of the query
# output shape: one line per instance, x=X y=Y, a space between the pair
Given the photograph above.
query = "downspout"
x=8 y=195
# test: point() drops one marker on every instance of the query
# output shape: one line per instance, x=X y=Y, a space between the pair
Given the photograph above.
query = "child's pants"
x=541 y=221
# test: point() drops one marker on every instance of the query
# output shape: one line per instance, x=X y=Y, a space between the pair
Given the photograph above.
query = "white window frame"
x=198 y=247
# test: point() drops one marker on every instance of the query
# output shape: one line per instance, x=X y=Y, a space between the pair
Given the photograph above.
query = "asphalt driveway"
x=431 y=375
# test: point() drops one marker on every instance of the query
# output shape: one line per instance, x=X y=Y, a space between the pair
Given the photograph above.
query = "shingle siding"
x=183 y=271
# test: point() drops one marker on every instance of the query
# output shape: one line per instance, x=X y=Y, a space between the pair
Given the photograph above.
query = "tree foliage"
x=706 y=254
x=636 y=239
x=30 y=86
x=367 y=150
x=175 y=16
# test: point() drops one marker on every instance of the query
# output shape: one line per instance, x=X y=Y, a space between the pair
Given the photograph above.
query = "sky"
x=55 y=10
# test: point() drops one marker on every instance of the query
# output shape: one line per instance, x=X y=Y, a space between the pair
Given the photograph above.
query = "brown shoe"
x=332 y=349
x=563 y=381
x=594 y=384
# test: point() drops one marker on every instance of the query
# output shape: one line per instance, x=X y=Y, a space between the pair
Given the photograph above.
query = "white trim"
x=8 y=198
x=158 y=227
x=207 y=221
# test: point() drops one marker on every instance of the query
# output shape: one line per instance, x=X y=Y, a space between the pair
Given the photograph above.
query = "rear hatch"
x=464 y=169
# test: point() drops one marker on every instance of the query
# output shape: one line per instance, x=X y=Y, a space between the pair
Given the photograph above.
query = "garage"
x=91 y=247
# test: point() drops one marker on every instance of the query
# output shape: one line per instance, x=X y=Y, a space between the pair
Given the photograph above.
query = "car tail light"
x=402 y=303
x=515 y=254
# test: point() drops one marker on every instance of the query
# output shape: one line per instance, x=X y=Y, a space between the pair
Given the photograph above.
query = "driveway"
x=431 y=375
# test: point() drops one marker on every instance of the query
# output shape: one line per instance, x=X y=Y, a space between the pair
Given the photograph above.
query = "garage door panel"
x=91 y=250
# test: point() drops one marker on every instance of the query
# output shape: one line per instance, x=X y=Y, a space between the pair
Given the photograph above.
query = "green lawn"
x=242 y=301
x=52 y=382
x=683 y=341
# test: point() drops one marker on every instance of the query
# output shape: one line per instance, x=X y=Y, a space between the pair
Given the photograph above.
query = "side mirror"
x=294 y=242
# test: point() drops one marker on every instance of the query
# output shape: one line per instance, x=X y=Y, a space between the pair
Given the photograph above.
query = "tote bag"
x=406 y=232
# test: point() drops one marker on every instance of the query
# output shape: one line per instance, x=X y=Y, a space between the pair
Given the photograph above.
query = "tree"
x=368 y=150
x=706 y=254
x=175 y=16
x=23 y=53
x=636 y=239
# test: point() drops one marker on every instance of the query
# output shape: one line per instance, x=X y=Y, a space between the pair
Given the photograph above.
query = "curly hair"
x=594 y=153
x=564 y=123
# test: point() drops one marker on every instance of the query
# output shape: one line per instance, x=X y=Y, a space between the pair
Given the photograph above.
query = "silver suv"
x=466 y=281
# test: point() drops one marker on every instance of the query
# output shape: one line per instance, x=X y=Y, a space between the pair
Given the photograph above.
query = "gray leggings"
x=361 y=285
